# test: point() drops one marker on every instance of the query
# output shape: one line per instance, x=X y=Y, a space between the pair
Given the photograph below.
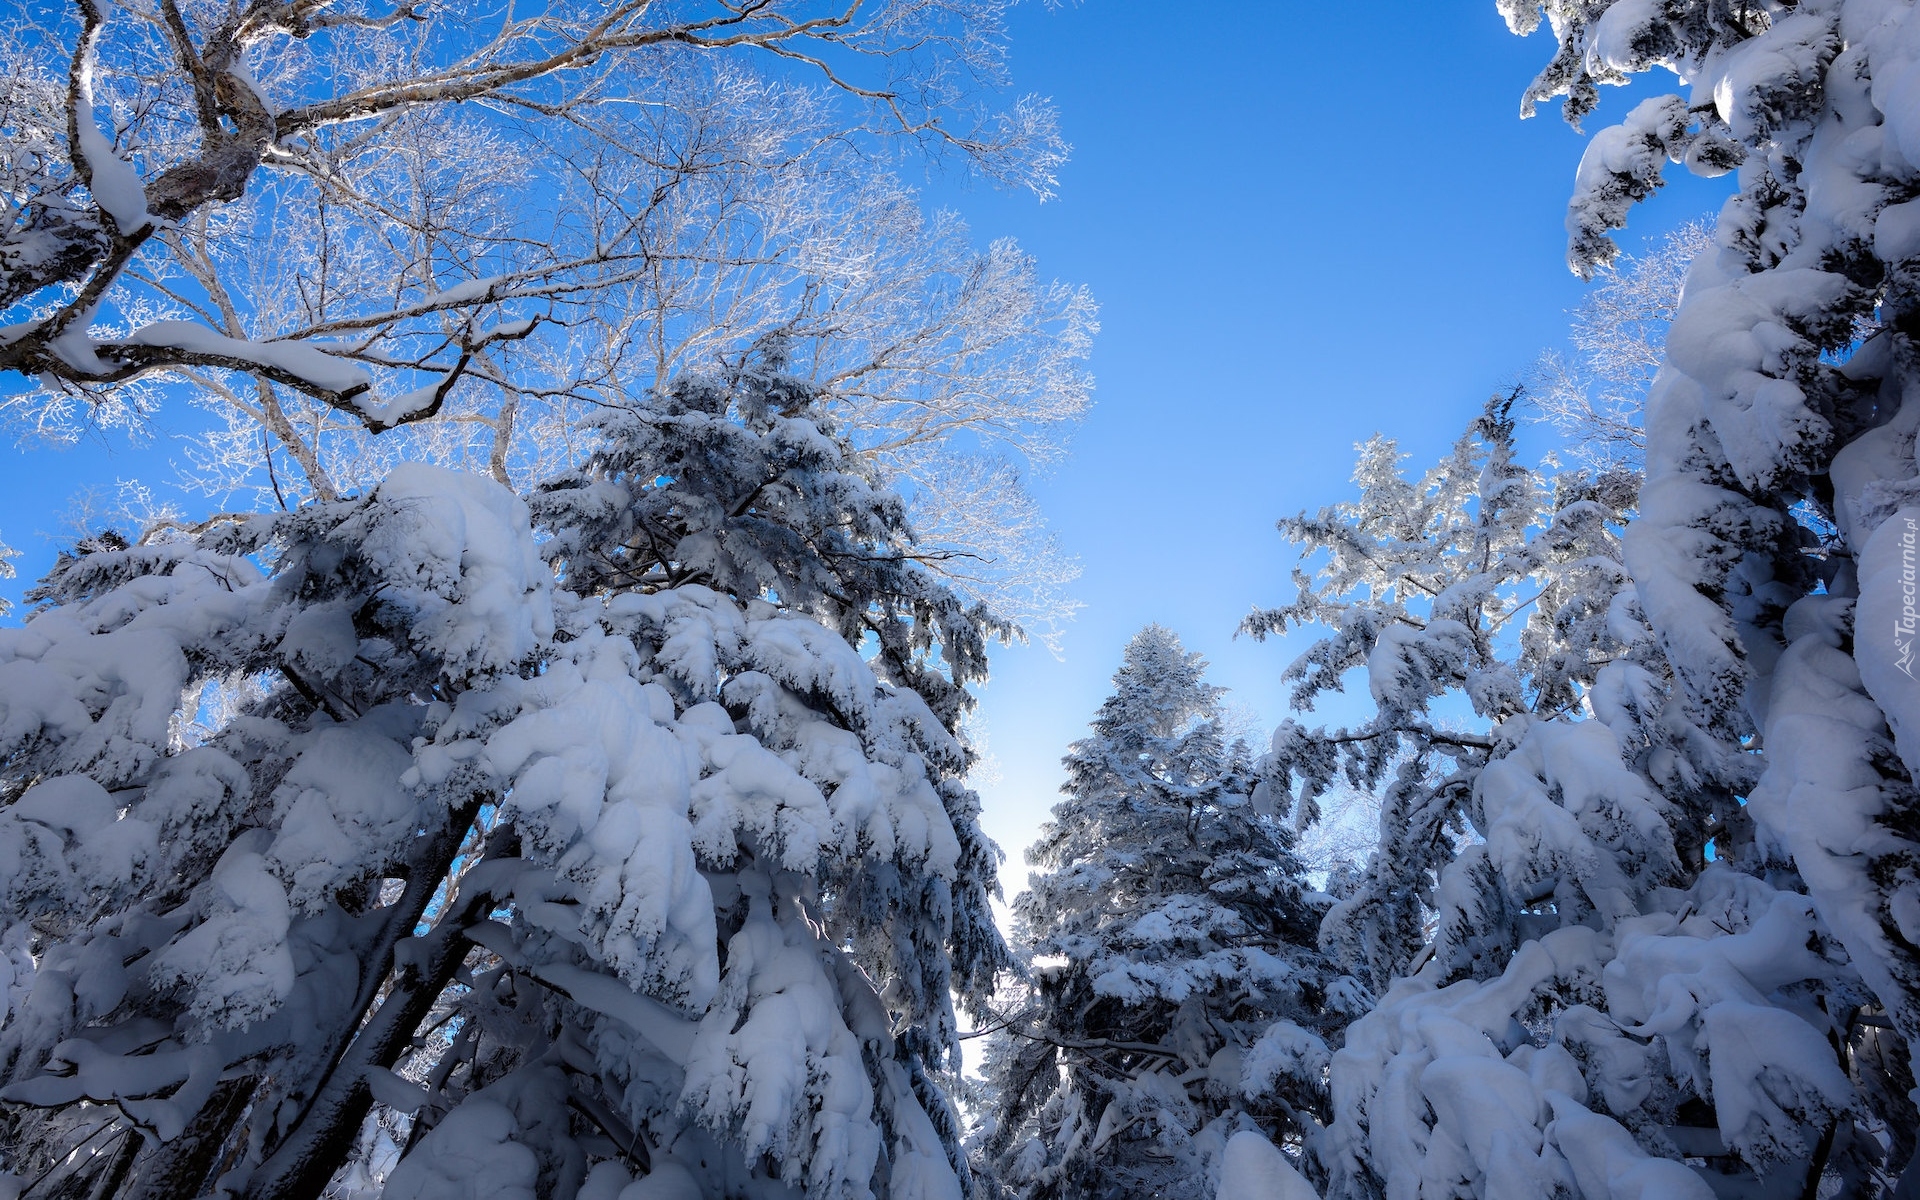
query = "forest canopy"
x=537 y=753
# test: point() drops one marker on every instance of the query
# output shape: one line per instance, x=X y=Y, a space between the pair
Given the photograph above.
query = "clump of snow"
x=471 y=1155
x=114 y=183
x=1253 y=1169
x=235 y=961
x=305 y=361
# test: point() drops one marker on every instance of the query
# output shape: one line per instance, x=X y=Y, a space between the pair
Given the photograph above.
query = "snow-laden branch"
x=205 y=127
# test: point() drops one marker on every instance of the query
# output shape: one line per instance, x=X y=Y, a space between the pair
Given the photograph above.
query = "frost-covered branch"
x=1596 y=399
x=382 y=274
x=170 y=118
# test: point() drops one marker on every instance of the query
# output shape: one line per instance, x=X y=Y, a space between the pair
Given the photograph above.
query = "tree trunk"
x=319 y=1143
x=180 y=1167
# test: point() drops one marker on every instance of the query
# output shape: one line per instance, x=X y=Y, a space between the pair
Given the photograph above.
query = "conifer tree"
x=1176 y=999
x=1772 y=552
x=1590 y=973
x=459 y=872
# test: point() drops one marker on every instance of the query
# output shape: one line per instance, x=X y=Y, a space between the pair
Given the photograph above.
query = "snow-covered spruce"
x=1774 y=553
x=738 y=483
x=1478 y=592
x=1576 y=998
x=396 y=860
x=1176 y=999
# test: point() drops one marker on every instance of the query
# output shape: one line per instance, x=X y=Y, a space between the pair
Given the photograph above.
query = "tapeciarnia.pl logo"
x=1905 y=628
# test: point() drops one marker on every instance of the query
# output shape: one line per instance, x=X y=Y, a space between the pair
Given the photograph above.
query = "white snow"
x=305 y=360
x=114 y=183
x=470 y=1155
x=1253 y=1169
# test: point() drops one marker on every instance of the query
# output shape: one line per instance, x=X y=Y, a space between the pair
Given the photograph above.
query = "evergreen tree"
x=1175 y=998
x=1590 y=972
x=1773 y=550
x=1478 y=593
x=741 y=484
x=460 y=873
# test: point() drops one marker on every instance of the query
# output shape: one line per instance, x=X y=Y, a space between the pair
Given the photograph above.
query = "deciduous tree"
x=472 y=229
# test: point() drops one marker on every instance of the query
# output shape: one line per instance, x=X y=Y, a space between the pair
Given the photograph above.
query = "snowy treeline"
x=1644 y=915
x=1568 y=967
x=593 y=823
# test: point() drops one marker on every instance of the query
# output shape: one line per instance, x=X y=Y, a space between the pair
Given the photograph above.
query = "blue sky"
x=1304 y=223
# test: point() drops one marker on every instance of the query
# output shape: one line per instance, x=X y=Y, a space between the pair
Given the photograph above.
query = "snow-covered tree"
x=136 y=126
x=471 y=228
x=1176 y=999
x=1476 y=593
x=1589 y=972
x=362 y=846
x=1595 y=398
x=1774 y=551
x=741 y=484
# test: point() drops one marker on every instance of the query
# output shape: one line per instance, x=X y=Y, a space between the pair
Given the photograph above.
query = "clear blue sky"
x=1304 y=223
